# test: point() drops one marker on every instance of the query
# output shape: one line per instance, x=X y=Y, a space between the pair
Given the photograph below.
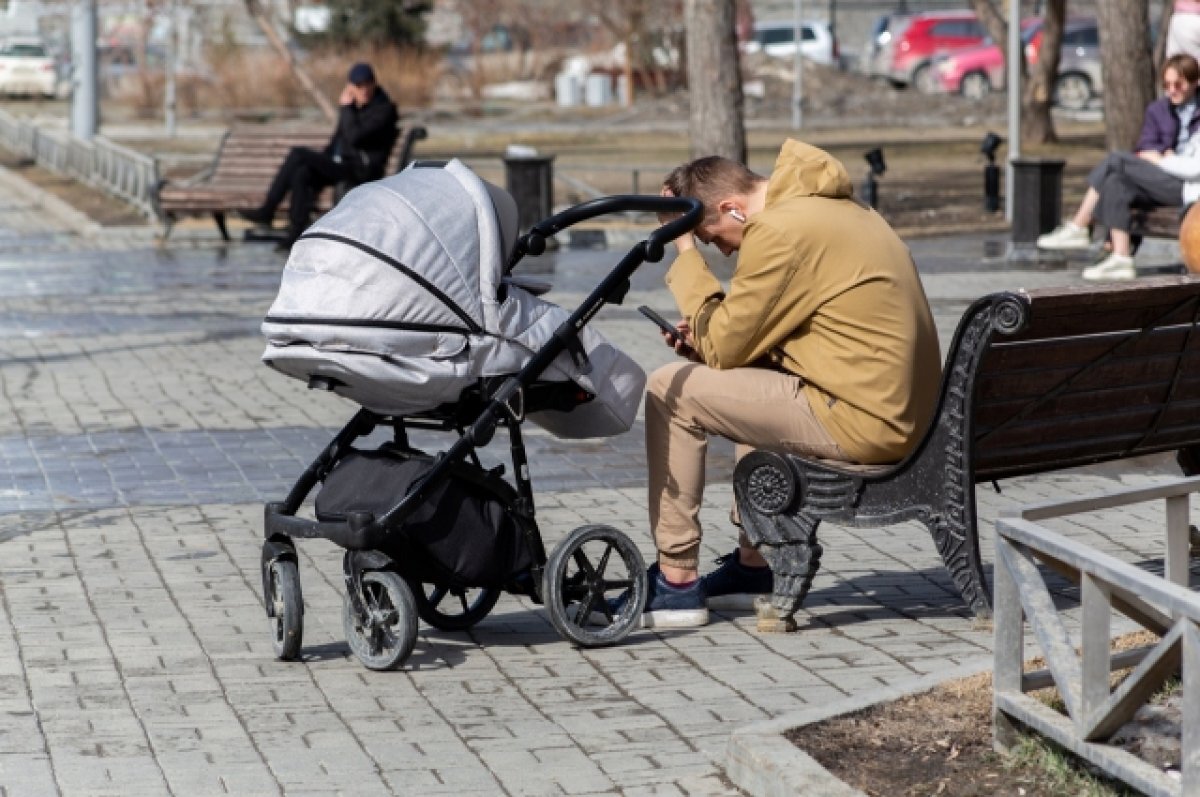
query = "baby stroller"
x=402 y=299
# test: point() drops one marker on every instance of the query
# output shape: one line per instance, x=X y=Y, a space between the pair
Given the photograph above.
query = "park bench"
x=1034 y=382
x=246 y=160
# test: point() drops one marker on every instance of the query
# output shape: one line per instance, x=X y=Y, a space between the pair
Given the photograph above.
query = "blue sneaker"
x=734 y=585
x=667 y=606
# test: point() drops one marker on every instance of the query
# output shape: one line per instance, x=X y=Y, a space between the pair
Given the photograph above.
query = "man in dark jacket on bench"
x=357 y=153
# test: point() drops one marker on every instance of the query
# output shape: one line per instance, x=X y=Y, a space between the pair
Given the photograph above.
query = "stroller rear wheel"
x=384 y=638
x=584 y=585
x=287 y=609
x=452 y=608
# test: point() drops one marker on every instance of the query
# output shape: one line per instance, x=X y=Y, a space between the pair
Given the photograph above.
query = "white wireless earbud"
x=737 y=215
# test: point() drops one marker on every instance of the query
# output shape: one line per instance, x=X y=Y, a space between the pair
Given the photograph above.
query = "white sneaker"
x=1113 y=267
x=1067 y=235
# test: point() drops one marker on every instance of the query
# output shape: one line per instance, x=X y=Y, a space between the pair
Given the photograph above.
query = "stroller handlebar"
x=690 y=210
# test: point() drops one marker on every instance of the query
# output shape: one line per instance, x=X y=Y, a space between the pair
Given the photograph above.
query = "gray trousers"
x=1124 y=179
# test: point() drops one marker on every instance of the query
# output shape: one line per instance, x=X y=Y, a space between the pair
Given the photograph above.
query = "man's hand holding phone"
x=676 y=336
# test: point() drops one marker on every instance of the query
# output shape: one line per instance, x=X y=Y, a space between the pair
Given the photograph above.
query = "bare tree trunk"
x=1037 y=125
x=716 y=126
x=993 y=21
x=1126 y=67
x=1160 y=46
x=302 y=77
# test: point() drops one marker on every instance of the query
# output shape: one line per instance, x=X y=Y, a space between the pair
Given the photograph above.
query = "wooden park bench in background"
x=241 y=172
x=1033 y=382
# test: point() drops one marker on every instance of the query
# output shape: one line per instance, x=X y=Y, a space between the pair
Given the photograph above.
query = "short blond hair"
x=712 y=179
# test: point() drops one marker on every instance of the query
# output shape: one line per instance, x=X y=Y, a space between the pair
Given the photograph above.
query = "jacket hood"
x=804 y=170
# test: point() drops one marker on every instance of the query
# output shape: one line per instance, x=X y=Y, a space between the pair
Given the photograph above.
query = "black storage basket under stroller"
x=462 y=535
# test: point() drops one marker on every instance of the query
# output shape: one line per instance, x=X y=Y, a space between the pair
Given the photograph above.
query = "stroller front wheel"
x=384 y=638
x=287 y=609
x=594 y=598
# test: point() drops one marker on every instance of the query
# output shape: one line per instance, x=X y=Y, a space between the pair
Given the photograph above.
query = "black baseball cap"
x=362 y=73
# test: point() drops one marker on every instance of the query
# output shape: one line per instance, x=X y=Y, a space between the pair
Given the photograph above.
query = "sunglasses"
x=1174 y=84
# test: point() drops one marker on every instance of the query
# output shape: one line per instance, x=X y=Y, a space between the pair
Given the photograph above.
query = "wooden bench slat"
x=1026 y=461
x=1036 y=432
x=991 y=414
x=1042 y=352
x=1102 y=320
x=244 y=165
x=1034 y=385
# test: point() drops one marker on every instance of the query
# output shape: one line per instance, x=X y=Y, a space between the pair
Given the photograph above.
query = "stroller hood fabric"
x=398 y=296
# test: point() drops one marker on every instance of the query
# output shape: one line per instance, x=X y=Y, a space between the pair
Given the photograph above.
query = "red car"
x=977 y=72
x=907 y=47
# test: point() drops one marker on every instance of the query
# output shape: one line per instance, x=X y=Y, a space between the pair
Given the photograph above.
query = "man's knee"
x=665 y=381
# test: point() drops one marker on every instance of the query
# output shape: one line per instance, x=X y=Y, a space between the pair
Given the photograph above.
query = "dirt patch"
x=94 y=203
x=940 y=743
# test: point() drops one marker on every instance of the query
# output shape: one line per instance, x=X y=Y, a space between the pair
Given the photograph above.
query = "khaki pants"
x=685 y=403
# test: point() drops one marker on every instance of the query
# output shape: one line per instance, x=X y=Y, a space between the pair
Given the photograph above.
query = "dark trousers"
x=1124 y=179
x=304 y=173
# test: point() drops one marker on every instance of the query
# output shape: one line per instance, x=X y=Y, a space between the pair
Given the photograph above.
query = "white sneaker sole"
x=1064 y=246
x=675 y=618
x=1110 y=275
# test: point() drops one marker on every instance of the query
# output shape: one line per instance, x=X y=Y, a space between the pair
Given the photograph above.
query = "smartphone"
x=667 y=327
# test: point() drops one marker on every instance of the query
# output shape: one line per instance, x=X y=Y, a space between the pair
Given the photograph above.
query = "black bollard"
x=530 y=180
x=991 y=172
x=870 y=185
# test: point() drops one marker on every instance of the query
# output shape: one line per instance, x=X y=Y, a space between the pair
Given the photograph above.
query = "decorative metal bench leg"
x=789 y=544
x=958 y=545
x=1189 y=460
x=219 y=218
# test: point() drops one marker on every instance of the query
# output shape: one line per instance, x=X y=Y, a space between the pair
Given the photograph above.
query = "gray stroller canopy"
x=395 y=296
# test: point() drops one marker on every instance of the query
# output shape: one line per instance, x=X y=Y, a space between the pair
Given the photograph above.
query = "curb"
x=763 y=763
x=75 y=220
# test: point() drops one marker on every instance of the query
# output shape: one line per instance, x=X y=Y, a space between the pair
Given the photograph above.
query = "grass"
x=1060 y=770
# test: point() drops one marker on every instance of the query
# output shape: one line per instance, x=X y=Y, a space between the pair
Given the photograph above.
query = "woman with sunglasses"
x=1164 y=171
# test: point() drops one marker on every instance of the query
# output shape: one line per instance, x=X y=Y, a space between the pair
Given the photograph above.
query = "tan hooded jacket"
x=824 y=289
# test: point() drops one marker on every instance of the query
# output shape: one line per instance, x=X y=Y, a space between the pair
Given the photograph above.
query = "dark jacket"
x=1161 y=127
x=365 y=136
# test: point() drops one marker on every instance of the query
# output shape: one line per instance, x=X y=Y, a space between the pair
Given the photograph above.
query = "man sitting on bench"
x=357 y=153
x=823 y=345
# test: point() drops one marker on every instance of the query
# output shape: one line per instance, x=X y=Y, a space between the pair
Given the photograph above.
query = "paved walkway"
x=139 y=437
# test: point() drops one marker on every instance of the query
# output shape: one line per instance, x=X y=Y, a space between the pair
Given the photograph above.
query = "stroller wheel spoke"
x=618 y=584
x=583 y=611
x=585 y=566
x=462 y=599
x=435 y=597
x=600 y=568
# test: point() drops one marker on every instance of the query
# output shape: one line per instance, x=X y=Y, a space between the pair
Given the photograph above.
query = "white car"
x=26 y=68
x=778 y=39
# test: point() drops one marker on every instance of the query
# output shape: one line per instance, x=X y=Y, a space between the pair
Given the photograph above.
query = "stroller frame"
x=380 y=610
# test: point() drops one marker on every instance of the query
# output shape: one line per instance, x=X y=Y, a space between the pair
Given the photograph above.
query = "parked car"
x=26 y=68
x=778 y=39
x=905 y=50
x=977 y=72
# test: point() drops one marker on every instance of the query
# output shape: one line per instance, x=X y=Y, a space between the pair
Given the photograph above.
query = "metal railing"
x=110 y=167
x=1095 y=710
